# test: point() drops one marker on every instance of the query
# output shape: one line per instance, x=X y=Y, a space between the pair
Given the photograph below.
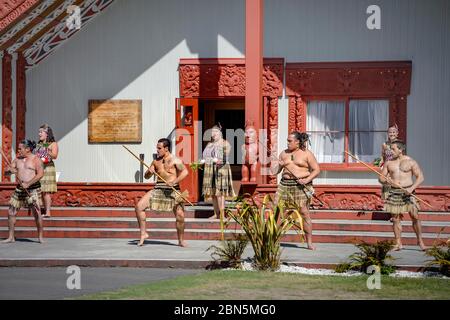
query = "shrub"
x=229 y=253
x=440 y=251
x=264 y=225
x=370 y=254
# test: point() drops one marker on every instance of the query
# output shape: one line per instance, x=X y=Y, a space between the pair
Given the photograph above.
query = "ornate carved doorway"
x=214 y=80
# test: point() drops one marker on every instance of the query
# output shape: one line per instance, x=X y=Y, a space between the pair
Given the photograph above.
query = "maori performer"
x=28 y=169
x=399 y=172
x=164 y=197
x=217 y=179
x=300 y=167
x=47 y=150
x=387 y=155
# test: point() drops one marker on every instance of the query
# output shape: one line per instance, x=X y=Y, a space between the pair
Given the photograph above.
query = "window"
x=347 y=124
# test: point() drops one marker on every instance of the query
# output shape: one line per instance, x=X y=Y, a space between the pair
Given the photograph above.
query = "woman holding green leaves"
x=47 y=150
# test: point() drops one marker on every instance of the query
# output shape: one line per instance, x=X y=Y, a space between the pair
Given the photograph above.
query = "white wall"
x=416 y=30
x=130 y=51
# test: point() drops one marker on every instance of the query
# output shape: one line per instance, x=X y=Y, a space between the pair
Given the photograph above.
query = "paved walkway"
x=51 y=283
x=166 y=254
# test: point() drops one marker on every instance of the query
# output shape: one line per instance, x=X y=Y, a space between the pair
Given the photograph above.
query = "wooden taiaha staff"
x=287 y=169
x=386 y=178
x=176 y=191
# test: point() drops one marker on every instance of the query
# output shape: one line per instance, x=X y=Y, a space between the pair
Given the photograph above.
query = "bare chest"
x=401 y=167
x=25 y=164
x=165 y=165
x=297 y=159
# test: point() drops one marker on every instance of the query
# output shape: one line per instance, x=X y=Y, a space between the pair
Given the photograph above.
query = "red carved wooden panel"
x=363 y=198
x=345 y=197
x=297 y=114
x=213 y=78
x=12 y=10
x=349 y=78
x=390 y=79
x=6 y=112
x=89 y=195
x=271 y=123
x=219 y=78
x=20 y=99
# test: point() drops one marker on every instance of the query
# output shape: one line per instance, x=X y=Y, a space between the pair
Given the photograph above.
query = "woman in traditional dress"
x=47 y=150
x=387 y=155
x=217 y=179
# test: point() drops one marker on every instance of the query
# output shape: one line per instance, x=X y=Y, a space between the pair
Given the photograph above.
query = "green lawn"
x=265 y=285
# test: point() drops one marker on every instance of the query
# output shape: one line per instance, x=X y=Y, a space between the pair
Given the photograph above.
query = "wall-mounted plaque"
x=115 y=121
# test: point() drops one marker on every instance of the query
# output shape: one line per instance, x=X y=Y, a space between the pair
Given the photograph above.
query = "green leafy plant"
x=229 y=253
x=196 y=166
x=264 y=224
x=377 y=162
x=368 y=255
x=440 y=251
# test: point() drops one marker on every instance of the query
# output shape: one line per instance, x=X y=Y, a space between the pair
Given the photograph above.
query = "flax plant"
x=264 y=224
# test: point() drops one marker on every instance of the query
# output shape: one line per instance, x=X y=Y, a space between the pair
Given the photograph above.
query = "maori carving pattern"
x=125 y=195
x=384 y=79
x=6 y=111
x=226 y=80
x=20 y=99
x=60 y=33
x=25 y=21
x=10 y=10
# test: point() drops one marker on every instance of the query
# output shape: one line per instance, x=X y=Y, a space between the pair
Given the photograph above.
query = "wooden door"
x=186 y=148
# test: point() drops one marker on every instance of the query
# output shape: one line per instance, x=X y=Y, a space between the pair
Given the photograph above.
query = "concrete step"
x=207 y=211
x=193 y=223
x=319 y=236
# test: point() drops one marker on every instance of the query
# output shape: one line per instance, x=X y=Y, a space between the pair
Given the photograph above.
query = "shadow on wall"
x=115 y=49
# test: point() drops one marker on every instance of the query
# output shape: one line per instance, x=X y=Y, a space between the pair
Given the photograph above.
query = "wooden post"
x=6 y=112
x=254 y=36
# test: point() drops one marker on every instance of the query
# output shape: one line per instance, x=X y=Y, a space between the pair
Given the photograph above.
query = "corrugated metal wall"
x=416 y=30
x=131 y=51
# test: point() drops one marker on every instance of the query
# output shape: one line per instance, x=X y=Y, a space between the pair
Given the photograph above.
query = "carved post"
x=6 y=111
x=273 y=133
x=297 y=114
x=20 y=98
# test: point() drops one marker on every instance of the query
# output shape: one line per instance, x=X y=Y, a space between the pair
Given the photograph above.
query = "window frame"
x=346 y=165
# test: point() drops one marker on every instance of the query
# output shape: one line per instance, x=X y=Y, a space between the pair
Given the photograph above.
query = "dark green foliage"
x=441 y=253
x=229 y=253
x=376 y=254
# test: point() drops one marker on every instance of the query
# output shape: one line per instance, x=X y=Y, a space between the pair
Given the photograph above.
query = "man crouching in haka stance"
x=399 y=172
x=163 y=197
x=299 y=167
x=29 y=169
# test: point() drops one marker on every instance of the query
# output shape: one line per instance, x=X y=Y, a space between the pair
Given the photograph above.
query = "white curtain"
x=372 y=116
x=323 y=117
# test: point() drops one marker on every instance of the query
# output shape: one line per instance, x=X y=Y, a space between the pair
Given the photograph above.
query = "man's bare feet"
x=397 y=247
x=422 y=246
x=45 y=213
x=311 y=246
x=143 y=237
x=9 y=240
x=213 y=217
x=41 y=240
x=182 y=243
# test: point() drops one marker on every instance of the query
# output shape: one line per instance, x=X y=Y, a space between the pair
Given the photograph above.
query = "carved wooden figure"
x=250 y=154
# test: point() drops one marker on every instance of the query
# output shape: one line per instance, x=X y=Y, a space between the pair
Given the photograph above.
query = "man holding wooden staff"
x=29 y=170
x=299 y=167
x=165 y=196
x=399 y=173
